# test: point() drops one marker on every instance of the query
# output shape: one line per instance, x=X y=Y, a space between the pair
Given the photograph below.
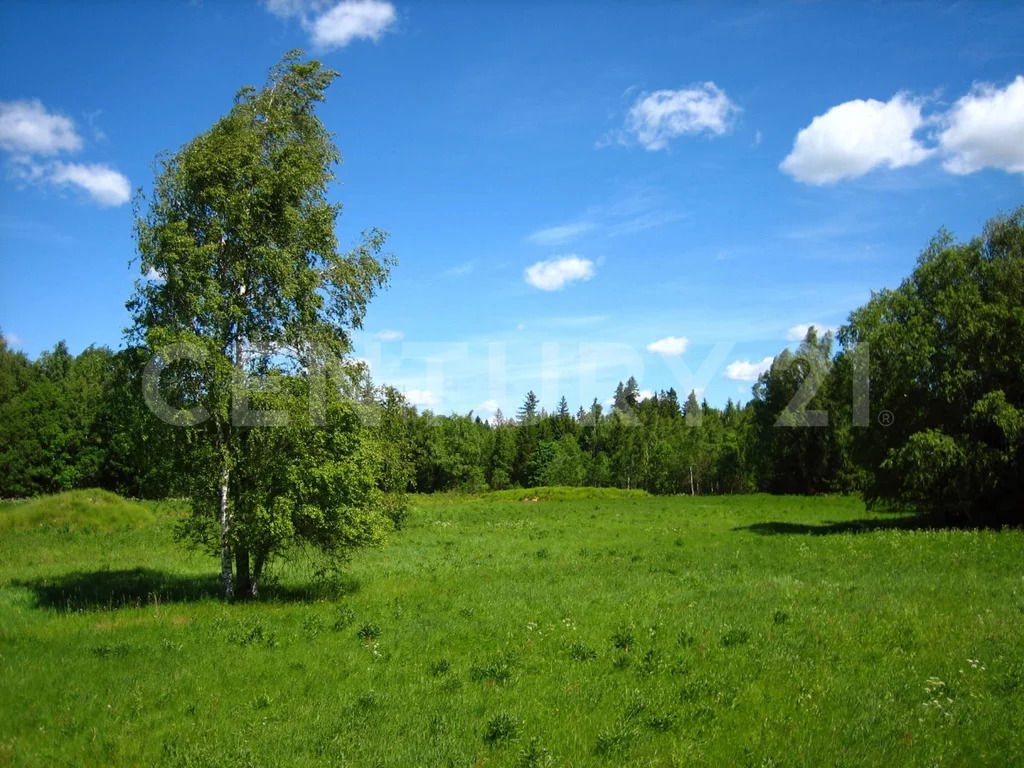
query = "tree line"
x=945 y=368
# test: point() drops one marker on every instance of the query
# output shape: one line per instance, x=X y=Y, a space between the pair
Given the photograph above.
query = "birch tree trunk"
x=225 y=536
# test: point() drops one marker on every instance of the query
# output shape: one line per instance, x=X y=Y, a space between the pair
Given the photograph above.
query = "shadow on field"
x=107 y=590
x=905 y=522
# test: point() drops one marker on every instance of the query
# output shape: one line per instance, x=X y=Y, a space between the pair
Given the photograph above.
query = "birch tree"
x=246 y=278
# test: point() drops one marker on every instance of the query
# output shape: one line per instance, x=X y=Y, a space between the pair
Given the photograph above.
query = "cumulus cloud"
x=422 y=397
x=560 y=234
x=336 y=25
x=744 y=370
x=488 y=406
x=27 y=127
x=103 y=184
x=555 y=274
x=389 y=335
x=28 y=130
x=12 y=339
x=855 y=137
x=669 y=346
x=657 y=118
x=799 y=332
x=985 y=129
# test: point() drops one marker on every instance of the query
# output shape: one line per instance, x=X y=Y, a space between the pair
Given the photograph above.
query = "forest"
x=943 y=429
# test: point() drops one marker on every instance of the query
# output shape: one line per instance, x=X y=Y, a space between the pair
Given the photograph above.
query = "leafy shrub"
x=346 y=618
x=735 y=637
x=623 y=637
x=498 y=669
x=368 y=632
x=533 y=755
x=501 y=728
x=440 y=667
x=613 y=741
x=580 y=652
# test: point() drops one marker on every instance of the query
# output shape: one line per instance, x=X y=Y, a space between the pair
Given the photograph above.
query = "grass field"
x=584 y=628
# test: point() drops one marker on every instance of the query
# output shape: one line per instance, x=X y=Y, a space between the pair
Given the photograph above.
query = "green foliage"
x=254 y=289
x=946 y=364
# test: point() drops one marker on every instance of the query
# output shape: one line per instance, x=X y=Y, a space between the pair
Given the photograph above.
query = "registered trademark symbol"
x=886 y=417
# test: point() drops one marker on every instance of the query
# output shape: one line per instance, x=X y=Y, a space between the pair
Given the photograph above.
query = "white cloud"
x=105 y=185
x=560 y=234
x=337 y=25
x=488 y=406
x=657 y=118
x=985 y=129
x=351 y=20
x=28 y=130
x=12 y=339
x=645 y=394
x=422 y=397
x=855 y=137
x=555 y=274
x=389 y=335
x=461 y=270
x=27 y=127
x=799 y=332
x=521 y=327
x=670 y=345
x=744 y=370
x=153 y=275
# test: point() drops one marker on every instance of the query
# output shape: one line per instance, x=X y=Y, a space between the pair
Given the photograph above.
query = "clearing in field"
x=583 y=628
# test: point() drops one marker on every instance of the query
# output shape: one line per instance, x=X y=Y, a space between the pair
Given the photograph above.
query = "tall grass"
x=581 y=629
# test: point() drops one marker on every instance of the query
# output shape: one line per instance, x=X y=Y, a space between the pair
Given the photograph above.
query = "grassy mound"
x=90 y=509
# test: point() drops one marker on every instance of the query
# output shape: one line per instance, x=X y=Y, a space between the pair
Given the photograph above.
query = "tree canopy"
x=251 y=286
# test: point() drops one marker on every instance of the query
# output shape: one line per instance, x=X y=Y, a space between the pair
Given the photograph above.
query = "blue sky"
x=576 y=192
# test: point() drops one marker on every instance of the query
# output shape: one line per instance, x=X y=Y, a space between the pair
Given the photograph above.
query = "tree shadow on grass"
x=135 y=587
x=828 y=527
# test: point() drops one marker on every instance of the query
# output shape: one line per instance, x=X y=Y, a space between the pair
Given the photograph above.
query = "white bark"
x=225 y=537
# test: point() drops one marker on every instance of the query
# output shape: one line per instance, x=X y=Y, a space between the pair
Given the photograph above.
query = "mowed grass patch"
x=575 y=629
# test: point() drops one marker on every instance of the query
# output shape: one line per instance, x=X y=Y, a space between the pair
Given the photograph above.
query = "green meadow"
x=564 y=627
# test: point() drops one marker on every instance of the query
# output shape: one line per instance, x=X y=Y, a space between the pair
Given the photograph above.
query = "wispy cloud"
x=561 y=234
x=655 y=119
x=638 y=209
x=461 y=270
x=389 y=335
